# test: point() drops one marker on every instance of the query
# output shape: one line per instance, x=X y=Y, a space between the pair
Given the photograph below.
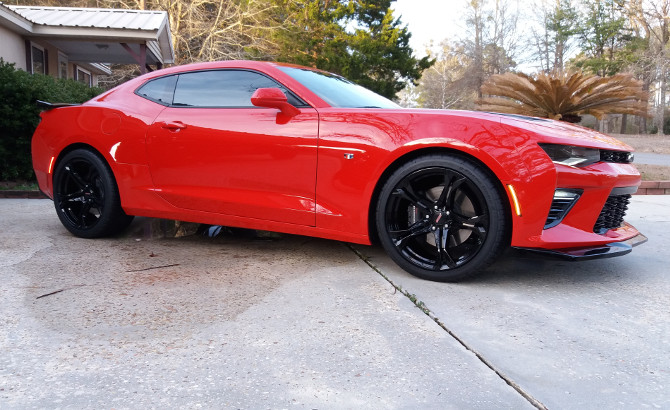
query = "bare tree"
x=652 y=17
x=503 y=44
x=492 y=37
x=209 y=30
x=408 y=96
x=474 y=46
x=445 y=84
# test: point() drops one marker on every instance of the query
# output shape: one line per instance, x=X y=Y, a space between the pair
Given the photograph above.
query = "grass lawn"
x=18 y=186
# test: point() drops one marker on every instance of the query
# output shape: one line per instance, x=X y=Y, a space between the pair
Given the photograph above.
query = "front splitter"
x=609 y=250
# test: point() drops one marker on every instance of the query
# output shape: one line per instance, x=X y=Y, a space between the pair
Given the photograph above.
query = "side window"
x=222 y=89
x=159 y=90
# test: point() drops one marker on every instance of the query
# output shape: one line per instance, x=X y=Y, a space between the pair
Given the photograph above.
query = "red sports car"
x=291 y=149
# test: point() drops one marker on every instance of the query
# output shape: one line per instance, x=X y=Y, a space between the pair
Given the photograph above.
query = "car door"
x=211 y=150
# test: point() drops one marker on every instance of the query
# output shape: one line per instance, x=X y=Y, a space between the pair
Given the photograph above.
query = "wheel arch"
x=95 y=190
x=409 y=156
x=80 y=145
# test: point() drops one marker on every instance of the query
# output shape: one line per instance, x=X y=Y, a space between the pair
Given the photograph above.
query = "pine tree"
x=360 y=40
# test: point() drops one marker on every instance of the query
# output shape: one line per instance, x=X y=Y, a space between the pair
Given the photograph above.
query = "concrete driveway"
x=296 y=322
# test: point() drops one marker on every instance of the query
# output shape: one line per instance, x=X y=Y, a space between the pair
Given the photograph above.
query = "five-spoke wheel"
x=441 y=217
x=86 y=196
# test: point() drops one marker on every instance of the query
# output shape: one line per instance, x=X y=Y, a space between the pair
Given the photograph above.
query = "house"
x=79 y=43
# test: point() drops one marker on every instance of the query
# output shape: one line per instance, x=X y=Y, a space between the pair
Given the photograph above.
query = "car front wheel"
x=86 y=196
x=442 y=218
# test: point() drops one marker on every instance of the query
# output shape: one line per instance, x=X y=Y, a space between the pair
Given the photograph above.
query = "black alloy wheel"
x=442 y=218
x=86 y=196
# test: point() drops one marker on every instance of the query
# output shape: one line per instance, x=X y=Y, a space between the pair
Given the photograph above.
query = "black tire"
x=442 y=218
x=86 y=196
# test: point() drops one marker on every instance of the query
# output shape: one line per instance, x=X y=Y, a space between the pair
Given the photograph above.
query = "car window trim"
x=302 y=104
x=137 y=90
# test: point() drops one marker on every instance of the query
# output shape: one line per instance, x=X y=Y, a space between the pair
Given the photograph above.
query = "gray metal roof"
x=93 y=34
x=93 y=18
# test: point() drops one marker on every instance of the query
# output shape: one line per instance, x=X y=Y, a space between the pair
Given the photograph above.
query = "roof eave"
x=95 y=68
x=165 y=43
x=15 y=21
x=107 y=34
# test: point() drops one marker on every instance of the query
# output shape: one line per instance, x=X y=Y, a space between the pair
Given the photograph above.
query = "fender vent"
x=564 y=200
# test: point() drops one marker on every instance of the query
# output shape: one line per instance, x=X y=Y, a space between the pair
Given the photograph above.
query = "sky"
x=430 y=20
x=437 y=20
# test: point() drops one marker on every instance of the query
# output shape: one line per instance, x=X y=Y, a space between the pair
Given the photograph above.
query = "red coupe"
x=291 y=149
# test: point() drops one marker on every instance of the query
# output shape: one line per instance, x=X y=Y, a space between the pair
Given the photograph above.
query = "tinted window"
x=222 y=88
x=159 y=90
x=338 y=91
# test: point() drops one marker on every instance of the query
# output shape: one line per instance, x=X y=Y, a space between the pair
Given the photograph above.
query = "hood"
x=561 y=132
x=539 y=129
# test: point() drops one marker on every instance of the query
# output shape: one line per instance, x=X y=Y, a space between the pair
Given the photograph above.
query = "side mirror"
x=273 y=98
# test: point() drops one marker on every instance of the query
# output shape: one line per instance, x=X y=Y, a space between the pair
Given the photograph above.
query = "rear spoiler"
x=50 y=106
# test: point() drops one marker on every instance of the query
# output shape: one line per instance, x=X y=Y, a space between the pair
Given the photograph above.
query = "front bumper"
x=609 y=250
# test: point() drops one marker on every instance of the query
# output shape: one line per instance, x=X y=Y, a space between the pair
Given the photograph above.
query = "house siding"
x=12 y=48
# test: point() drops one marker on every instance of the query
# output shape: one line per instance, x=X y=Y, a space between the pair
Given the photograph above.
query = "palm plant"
x=564 y=96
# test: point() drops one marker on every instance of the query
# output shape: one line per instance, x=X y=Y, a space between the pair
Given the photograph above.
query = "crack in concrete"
x=422 y=306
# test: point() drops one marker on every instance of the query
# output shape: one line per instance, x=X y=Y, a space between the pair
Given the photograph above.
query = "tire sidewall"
x=107 y=221
x=494 y=243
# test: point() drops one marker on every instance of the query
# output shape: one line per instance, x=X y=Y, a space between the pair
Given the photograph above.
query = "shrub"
x=19 y=115
x=563 y=95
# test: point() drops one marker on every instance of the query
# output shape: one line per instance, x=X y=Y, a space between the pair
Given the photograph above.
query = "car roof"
x=210 y=65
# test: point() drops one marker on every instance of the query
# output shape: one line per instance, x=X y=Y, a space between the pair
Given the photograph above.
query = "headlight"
x=571 y=155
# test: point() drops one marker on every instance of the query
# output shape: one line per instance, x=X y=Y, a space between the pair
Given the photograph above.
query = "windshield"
x=338 y=91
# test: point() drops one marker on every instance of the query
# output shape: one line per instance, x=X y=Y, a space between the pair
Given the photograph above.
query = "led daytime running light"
x=515 y=200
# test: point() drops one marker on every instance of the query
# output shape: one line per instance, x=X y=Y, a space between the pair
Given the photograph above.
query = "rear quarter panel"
x=116 y=130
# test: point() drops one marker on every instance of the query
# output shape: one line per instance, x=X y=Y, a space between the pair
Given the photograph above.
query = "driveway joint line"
x=422 y=306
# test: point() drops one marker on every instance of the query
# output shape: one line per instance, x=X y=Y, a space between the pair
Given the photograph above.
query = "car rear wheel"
x=441 y=218
x=86 y=196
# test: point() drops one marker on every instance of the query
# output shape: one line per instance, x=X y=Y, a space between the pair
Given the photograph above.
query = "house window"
x=62 y=65
x=38 y=59
x=83 y=76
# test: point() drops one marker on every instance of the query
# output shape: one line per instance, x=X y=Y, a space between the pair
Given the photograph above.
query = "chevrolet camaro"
x=291 y=149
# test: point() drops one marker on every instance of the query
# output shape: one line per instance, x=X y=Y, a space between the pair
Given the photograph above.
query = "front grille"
x=621 y=157
x=611 y=217
x=564 y=200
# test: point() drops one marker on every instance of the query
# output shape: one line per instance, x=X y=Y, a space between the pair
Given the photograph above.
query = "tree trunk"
x=665 y=38
x=660 y=110
x=624 y=123
x=661 y=105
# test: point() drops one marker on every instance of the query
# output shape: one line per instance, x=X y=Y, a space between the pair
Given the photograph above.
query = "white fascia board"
x=154 y=48
x=80 y=33
x=165 y=38
x=102 y=68
x=14 y=21
x=94 y=68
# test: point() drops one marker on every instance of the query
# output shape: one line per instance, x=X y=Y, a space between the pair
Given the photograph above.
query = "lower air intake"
x=611 y=217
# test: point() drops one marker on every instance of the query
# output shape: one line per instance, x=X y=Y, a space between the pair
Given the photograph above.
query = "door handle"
x=173 y=125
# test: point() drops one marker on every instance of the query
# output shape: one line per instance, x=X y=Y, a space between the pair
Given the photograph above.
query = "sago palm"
x=564 y=95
